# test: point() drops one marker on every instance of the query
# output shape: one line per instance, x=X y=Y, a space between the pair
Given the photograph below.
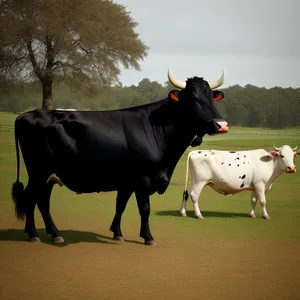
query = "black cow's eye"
x=281 y=156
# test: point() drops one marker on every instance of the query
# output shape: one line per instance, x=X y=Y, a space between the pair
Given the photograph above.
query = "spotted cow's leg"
x=185 y=197
x=194 y=194
x=121 y=202
x=260 y=193
x=253 y=204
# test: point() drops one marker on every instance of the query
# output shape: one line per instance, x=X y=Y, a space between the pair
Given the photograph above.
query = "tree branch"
x=49 y=56
x=72 y=67
x=36 y=68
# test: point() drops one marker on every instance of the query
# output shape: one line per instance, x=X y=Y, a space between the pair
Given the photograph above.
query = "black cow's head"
x=198 y=98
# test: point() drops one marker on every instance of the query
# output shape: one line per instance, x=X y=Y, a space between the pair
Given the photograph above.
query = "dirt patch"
x=183 y=265
x=204 y=268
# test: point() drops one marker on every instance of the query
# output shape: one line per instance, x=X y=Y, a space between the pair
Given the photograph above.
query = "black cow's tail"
x=18 y=187
x=185 y=195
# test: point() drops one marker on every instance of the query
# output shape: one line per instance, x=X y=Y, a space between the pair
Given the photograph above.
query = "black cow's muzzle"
x=217 y=126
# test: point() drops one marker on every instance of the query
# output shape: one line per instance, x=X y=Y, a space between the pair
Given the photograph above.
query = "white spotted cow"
x=230 y=172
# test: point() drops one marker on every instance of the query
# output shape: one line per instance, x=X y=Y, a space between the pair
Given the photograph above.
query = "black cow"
x=126 y=150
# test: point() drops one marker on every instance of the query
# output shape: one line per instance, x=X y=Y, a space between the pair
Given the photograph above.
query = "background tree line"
x=250 y=106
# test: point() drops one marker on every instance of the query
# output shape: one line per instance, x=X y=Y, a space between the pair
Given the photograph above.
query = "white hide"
x=230 y=172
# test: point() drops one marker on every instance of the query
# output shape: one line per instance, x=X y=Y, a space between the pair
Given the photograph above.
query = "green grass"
x=224 y=216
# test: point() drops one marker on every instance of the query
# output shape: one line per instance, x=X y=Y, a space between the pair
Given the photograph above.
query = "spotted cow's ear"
x=217 y=95
x=174 y=95
x=274 y=153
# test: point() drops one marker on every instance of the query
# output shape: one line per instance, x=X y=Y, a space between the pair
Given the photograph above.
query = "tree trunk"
x=47 y=94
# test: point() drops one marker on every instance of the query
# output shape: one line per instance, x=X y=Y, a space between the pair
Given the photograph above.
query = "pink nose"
x=292 y=169
x=223 y=126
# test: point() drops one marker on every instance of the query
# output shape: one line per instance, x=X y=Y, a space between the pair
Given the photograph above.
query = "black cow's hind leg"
x=143 y=202
x=122 y=199
x=29 y=200
x=44 y=207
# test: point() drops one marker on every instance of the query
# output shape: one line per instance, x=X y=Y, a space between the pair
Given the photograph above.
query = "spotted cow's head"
x=198 y=99
x=285 y=155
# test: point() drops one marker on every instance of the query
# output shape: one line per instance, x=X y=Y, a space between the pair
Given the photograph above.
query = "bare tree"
x=83 y=43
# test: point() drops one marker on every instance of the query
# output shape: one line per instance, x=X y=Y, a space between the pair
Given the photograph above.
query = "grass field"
x=225 y=256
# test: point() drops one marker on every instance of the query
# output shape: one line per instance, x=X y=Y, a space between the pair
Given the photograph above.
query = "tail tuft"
x=185 y=195
x=17 y=196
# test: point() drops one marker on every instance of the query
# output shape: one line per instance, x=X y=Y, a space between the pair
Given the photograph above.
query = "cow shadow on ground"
x=205 y=213
x=70 y=237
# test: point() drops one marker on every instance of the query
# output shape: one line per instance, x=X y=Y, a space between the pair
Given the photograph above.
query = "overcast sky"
x=256 y=41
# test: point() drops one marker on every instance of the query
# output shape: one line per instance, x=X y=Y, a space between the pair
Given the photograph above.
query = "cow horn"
x=219 y=82
x=294 y=149
x=175 y=82
x=277 y=149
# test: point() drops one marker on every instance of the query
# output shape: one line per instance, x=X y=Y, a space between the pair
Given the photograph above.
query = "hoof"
x=200 y=217
x=267 y=217
x=183 y=214
x=58 y=240
x=150 y=243
x=251 y=216
x=34 y=239
x=119 y=239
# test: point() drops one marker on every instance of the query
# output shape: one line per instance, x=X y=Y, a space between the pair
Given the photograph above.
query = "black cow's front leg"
x=143 y=201
x=122 y=199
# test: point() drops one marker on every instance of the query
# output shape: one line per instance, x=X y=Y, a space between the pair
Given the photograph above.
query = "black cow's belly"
x=89 y=184
x=94 y=176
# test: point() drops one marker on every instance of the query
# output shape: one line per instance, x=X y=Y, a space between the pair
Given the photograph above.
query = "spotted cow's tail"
x=185 y=195
x=18 y=187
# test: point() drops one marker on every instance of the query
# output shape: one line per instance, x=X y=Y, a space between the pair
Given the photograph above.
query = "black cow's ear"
x=174 y=95
x=217 y=95
x=196 y=141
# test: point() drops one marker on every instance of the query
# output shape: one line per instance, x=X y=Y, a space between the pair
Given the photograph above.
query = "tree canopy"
x=82 y=43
